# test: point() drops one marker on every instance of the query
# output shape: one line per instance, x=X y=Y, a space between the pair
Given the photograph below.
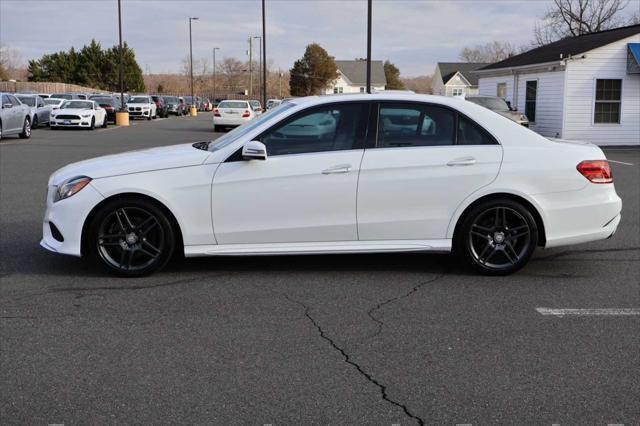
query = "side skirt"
x=387 y=246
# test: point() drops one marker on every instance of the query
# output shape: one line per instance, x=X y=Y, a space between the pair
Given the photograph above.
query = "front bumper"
x=84 y=122
x=145 y=113
x=68 y=217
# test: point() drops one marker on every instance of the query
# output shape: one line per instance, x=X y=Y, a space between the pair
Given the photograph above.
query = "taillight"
x=216 y=113
x=246 y=114
x=596 y=171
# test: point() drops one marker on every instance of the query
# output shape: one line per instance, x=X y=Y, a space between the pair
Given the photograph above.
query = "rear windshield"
x=61 y=96
x=27 y=100
x=52 y=101
x=228 y=104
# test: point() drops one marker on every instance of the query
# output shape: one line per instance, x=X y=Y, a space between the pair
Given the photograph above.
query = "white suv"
x=142 y=106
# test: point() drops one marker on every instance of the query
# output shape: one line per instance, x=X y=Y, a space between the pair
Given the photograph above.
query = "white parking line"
x=589 y=312
x=620 y=162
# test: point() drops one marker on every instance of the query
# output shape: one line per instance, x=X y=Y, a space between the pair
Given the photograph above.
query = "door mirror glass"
x=254 y=150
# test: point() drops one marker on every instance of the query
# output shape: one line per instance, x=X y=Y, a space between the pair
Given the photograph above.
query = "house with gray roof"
x=456 y=78
x=353 y=77
x=579 y=88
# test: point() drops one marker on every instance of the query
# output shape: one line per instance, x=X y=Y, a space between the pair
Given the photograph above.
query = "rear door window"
x=412 y=125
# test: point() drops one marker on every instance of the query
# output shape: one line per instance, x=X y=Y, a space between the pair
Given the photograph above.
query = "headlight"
x=85 y=115
x=71 y=187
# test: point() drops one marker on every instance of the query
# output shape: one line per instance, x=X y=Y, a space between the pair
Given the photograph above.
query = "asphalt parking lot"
x=353 y=339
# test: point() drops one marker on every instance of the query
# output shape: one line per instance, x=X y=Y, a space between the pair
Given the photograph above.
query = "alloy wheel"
x=499 y=237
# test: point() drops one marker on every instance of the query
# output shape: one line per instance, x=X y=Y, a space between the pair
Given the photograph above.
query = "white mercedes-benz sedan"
x=339 y=174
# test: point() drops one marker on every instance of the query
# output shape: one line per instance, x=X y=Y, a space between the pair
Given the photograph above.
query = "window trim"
x=593 y=101
x=535 y=107
x=453 y=91
x=457 y=114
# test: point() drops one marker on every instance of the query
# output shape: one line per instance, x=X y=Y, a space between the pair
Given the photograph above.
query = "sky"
x=413 y=34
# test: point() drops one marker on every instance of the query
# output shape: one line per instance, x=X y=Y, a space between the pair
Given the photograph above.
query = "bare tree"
x=491 y=52
x=576 y=17
x=232 y=71
x=420 y=84
x=10 y=62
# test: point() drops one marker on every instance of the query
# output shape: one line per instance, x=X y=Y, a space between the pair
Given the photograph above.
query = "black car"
x=162 y=110
x=109 y=103
x=173 y=105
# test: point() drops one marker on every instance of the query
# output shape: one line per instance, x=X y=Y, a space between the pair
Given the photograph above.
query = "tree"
x=392 y=74
x=420 y=84
x=313 y=72
x=231 y=70
x=494 y=51
x=569 y=18
x=9 y=61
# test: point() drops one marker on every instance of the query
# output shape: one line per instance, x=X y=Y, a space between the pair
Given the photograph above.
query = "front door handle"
x=463 y=161
x=342 y=168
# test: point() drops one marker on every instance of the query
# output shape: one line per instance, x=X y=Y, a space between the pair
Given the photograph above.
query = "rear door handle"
x=463 y=161
x=342 y=168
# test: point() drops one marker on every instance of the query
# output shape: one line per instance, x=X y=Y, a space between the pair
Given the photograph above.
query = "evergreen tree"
x=392 y=74
x=313 y=72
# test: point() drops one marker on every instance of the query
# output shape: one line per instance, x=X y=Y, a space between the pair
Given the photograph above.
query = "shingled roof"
x=356 y=72
x=569 y=46
x=449 y=69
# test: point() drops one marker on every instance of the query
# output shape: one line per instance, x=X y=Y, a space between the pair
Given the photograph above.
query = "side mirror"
x=254 y=150
x=8 y=105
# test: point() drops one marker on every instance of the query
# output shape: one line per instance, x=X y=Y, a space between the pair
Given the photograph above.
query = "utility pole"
x=214 y=74
x=369 y=46
x=193 y=99
x=280 y=84
x=250 y=67
x=259 y=66
x=264 y=58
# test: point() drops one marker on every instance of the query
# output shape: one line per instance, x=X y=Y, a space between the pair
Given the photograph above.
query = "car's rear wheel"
x=35 y=122
x=26 y=129
x=497 y=237
x=131 y=237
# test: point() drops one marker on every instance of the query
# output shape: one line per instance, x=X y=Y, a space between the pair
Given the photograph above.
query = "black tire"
x=35 y=122
x=26 y=129
x=149 y=117
x=93 y=123
x=131 y=237
x=0 y=130
x=104 y=123
x=497 y=237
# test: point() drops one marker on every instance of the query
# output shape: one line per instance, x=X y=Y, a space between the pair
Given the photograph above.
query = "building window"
x=608 y=96
x=501 y=90
x=530 y=100
x=457 y=91
x=337 y=90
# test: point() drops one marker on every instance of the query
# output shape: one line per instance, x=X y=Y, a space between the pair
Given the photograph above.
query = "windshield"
x=61 y=96
x=77 y=105
x=237 y=105
x=27 y=100
x=50 y=101
x=139 y=100
x=171 y=99
x=494 y=104
x=240 y=131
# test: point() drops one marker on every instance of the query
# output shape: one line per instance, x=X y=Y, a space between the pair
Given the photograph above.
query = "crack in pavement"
x=348 y=360
x=379 y=322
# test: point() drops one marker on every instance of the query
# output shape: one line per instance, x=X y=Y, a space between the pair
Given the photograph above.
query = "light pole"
x=122 y=116
x=214 y=74
x=259 y=66
x=264 y=58
x=250 y=67
x=280 y=84
x=192 y=110
x=369 y=46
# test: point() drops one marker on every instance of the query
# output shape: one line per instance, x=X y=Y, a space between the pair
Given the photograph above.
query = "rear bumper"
x=224 y=121
x=576 y=217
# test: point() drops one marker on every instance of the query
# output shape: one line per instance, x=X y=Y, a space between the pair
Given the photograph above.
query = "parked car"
x=488 y=187
x=40 y=111
x=142 y=106
x=54 y=102
x=15 y=117
x=161 y=106
x=500 y=106
x=44 y=95
x=257 y=107
x=79 y=113
x=232 y=114
x=67 y=96
x=189 y=101
x=173 y=105
x=272 y=103
x=184 y=108
x=109 y=103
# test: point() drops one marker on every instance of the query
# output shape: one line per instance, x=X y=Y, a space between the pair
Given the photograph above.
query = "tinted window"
x=233 y=105
x=406 y=125
x=327 y=128
x=470 y=133
x=27 y=100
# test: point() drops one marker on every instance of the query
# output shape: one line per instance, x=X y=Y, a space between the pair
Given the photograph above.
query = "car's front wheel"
x=26 y=129
x=497 y=237
x=131 y=237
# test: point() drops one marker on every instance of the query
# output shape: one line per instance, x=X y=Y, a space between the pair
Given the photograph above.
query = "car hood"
x=74 y=111
x=145 y=160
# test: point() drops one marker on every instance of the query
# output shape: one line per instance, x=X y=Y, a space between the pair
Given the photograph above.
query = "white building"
x=353 y=77
x=581 y=88
x=456 y=78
